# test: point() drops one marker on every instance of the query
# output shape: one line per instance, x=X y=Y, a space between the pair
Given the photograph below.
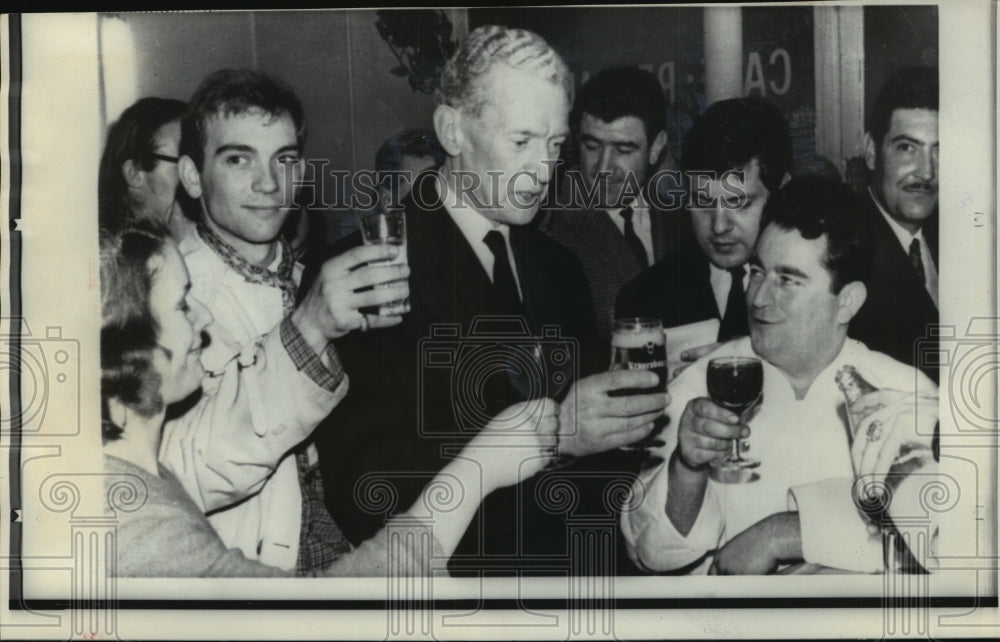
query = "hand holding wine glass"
x=735 y=383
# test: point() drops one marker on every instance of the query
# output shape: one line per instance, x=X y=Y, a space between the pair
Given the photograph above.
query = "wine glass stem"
x=734 y=453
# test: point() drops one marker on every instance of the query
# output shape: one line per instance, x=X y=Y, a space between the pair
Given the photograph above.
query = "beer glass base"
x=395 y=308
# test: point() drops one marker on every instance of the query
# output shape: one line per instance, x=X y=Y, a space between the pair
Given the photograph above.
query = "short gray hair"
x=492 y=44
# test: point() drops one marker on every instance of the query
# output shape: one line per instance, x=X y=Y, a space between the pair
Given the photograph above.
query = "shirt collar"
x=474 y=226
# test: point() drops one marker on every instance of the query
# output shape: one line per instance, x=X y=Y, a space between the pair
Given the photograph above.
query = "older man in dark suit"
x=736 y=154
x=500 y=313
x=901 y=150
x=619 y=122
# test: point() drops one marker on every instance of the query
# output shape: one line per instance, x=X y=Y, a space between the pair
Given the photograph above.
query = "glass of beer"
x=388 y=228
x=640 y=344
x=736 y=384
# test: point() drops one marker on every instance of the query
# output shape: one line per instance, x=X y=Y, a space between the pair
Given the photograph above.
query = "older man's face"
x=905 y=165
x=794 y=316
x=511 y=148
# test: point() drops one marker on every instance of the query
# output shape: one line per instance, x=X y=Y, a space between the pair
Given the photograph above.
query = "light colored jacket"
x=231 y=450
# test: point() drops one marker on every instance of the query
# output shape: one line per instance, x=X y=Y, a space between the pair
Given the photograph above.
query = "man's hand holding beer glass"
x=592 y=420
x=331 y=307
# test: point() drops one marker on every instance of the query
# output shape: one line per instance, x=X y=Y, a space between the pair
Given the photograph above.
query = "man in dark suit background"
x=499 y=313
x=619 y=126
x=737 y=153
x=901 y=150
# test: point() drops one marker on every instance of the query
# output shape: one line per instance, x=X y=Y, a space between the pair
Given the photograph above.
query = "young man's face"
x=616 y=149
x=513 y=145
x=728 y=232
x=247 y=184
x=794 y=315
x=905 y=166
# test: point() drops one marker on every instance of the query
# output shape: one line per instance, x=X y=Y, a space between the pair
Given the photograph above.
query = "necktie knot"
x=495 y=241
x=738 y=273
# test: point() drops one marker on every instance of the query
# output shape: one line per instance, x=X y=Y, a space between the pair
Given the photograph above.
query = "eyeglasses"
x=164 y=157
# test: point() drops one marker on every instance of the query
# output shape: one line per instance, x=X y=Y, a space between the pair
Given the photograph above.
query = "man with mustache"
x=901 y=150
x=619 y=121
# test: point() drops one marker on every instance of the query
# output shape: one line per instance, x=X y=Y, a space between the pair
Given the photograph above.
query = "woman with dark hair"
x=151 y=341
x=138 y=171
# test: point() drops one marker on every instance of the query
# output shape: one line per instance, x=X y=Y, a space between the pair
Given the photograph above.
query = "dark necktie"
x=734 y=323
x=917 y=262
x=632 y=238
x=503 y=276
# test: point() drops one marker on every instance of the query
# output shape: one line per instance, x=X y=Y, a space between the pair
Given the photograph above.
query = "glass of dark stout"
x=639 y=344
x=736 y=384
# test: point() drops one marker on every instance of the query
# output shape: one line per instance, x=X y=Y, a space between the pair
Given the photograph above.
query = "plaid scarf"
x=281 y=279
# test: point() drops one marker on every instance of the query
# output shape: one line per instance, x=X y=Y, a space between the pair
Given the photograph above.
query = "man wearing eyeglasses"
x=138 y=173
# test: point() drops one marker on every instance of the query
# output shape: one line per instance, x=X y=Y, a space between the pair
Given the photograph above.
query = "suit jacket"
x=419 y=391
x=896 y=316
x=606 y=258
x=676 y=290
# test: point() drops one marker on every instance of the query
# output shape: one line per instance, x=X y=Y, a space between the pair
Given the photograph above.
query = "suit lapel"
x=443 y=264
x=891 y=269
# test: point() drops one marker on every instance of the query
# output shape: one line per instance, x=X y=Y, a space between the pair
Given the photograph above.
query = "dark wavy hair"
x=233 y=92
x=131 y=137
x=128 y=330
x=733 y=132
x=817 y=206
x=619 y=92
x=913 y=88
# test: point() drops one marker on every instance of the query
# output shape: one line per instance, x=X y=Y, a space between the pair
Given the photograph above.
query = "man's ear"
x=851 y=297
x=133 y=174
x=448 y=126
x=190 y=177
x=870 y=151
x=656 y=148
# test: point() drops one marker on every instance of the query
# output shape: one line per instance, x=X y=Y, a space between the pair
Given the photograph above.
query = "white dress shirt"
x=803 y=448
x=475 y=227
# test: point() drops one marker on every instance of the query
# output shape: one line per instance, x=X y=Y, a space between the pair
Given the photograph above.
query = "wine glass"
x=735 y=383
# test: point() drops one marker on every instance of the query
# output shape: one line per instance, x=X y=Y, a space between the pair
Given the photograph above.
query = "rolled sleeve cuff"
x=327 y=376
x=833 y=532
x=652 y=540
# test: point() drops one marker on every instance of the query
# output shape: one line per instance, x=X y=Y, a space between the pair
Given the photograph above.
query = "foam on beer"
x=637 y=338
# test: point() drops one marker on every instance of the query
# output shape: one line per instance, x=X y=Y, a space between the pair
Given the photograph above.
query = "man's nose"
x=607 y=155
x=760 y=292
x=722 y=220
x=266 y=180
x=927 y=167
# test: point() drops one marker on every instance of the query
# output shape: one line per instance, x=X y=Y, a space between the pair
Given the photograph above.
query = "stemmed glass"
x=735 y=383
